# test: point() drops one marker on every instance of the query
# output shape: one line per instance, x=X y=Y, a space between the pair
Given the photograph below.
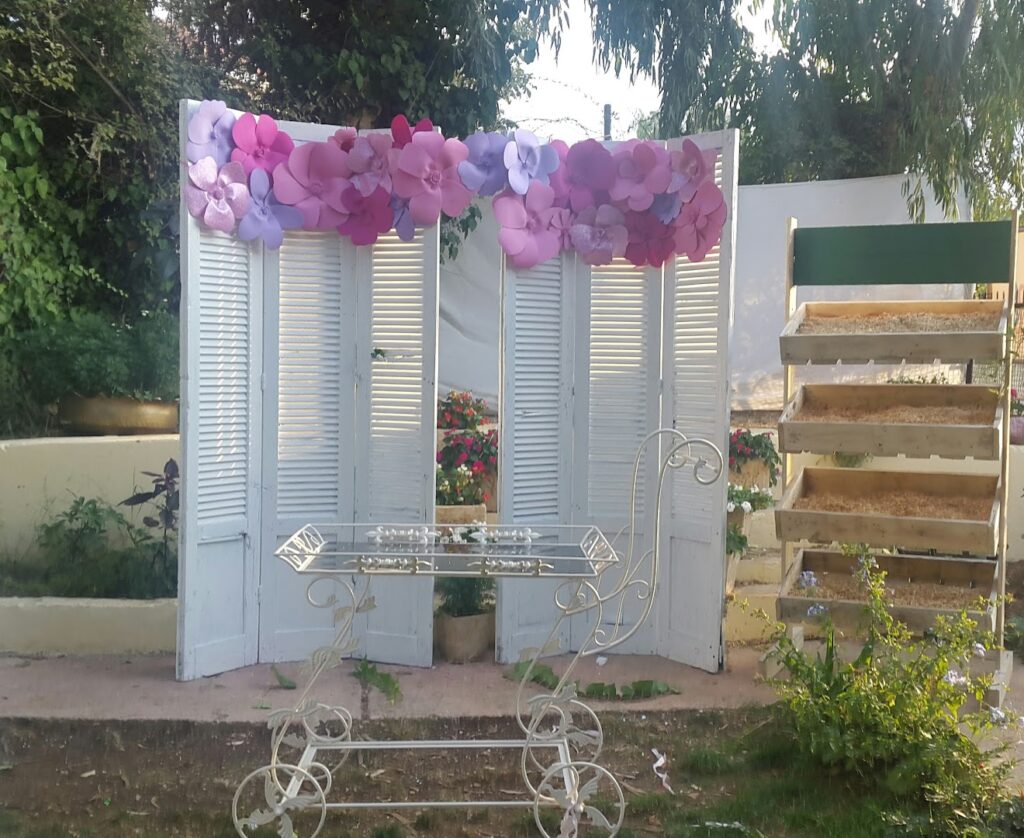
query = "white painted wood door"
x=697 y=322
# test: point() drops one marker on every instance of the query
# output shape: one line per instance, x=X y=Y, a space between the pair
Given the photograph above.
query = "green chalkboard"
x=902 y=254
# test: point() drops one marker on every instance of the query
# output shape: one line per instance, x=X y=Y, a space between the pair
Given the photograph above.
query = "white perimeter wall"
x=470 y=308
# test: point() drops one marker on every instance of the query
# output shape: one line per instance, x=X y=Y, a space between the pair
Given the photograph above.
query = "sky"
x=569 y=94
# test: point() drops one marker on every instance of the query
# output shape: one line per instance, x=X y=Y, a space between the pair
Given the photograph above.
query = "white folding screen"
x=287 y=419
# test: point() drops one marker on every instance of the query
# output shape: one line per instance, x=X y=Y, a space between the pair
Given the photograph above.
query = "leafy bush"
x=464 y=596
x=735 y=541
x=895 y=716
x=749 y=500
x=458 y=487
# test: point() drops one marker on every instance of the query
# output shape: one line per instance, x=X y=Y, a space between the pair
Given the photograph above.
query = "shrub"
x=477 y=450
x=895 y=716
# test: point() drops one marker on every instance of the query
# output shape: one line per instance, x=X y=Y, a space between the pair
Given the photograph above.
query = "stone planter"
x=463 y=639
x=462 y=516
x=1017 y=430
x=739 y=519
x=117 y=415
x=751 y=473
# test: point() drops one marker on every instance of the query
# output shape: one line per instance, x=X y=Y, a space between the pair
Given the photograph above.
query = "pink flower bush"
x=258 y=143
x=526 y=233
x=313 y=181
x=650 y=241
x=589 y=174
x=699 y=225
x=368 y=163
x=218 y=198
x=403 y=134
x=690 y=168
x=599 y=234
x=368 y=215
x=426 y=172
x=642 y=171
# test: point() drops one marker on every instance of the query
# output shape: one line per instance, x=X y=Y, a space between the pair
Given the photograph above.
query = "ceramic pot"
x=100 y=415
x=463 y=639
x=751 y=473
x=460 y=515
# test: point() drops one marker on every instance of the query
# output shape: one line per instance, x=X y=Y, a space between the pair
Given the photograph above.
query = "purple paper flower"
x=218 y=198
x=484 y=170
x=699 y=225
x=650 y=241
x=368 y=162
x=266 y=218
x=589 y=173
x=259 y=144
x=426 y=172
x=209 y=133
x=690 y=168
x=368 y=216
x=666 y=206
x=599 y=234
x=312 y=181
x=559 y=178
x=527 y=160
x=642 y=172
x=402 y=219
x=526 y=234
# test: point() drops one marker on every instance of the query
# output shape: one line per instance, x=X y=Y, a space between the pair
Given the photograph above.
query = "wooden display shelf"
x=969 y=579
x=912 y=346
x=886 y=490
x=869 y=420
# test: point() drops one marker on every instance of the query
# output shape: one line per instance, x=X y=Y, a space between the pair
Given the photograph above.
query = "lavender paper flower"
x=209 y=133
x=484 y=170
x=599 y=234
x=527 y=160
x=266 y=219
x=403 y=224
x=218 y=198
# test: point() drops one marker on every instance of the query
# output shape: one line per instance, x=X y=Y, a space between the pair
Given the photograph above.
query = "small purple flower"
x=527 y=160
x=218 y=198
x=209 y=133
x=807 y=580
x=403 y=223
x=956 y=679
x=484 y=170
x=666 y=206
x=817 y=610
x=266 y=219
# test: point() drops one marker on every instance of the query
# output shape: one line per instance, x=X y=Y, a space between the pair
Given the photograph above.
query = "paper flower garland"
x=636 y=200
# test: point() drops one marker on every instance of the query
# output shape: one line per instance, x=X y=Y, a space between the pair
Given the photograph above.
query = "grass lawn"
x=734 y=774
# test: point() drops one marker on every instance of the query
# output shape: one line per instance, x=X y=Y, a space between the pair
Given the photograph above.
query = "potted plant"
x=459 y=496
x=464 y=622
x=478 y=451
x=105 y=378
x=459 y=411
x=735 y=546
x=740 y=500
x=753 y=458
x=1016 y=419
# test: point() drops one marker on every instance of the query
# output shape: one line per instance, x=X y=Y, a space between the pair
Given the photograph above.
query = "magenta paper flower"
x=589 y=173
x=561 y=222
x=558 y=180
x=426 y=172
x=218 y=198
x=368 y=215
x=642 y=172
x=650 y=241
x=312 y=181
x=266 y=218
x=599 y=234
x=690 y=168
x=344 y=138
x=368 y=163
x=402 y=219
x=526 y=234
x=699 y=225
x=403 y=134
x=527 y=160
x=258 y=143
x=484 y=170
x=209 y=133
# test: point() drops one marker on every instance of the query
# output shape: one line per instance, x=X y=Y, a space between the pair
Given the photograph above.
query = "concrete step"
x=759 y=566
x=743 y=624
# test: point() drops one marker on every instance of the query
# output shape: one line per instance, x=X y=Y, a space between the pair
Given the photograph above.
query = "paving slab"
x=143 y=687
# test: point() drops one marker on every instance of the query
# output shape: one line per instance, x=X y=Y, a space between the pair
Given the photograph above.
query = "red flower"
x=477 y=467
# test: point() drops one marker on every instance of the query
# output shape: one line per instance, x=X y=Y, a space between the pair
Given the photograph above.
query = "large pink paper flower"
x=699 y=225
x=312 y=181
x=368 y=215
x=650 y=241
x=344 y=138
x=217 y=198
x=558 y=179
x=258 y=143
x=426 y=172
x=526 y=233
x=599 y=234
x=589 y=173
x=403 y=134
x=368 y=162
x=690 y=168
x=642 y=172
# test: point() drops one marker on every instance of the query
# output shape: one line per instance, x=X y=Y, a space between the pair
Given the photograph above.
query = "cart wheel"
x=291 y=798
x=572 y=720
x=568 y=787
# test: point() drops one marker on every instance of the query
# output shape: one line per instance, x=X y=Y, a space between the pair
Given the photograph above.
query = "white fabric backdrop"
x=470 y=310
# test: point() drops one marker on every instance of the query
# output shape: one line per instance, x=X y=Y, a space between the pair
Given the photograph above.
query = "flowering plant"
x=1016 y=404
x=735 y=541
x=458 y=487
x=460 y=411
x=749 y=500
x=745 y=445
x=476 y=450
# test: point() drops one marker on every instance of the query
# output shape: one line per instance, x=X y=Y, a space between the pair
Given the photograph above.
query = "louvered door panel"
x=698 y=317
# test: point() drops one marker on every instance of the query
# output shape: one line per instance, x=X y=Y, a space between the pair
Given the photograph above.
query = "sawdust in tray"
x=900 y=414
x=836 y=586
x=902 y=322
x=900 y=504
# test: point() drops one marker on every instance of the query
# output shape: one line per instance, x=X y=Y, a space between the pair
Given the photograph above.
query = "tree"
x=934 y=87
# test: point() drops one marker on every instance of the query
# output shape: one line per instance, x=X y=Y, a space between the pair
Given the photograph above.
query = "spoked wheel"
x=589 y=797
x=286 y=796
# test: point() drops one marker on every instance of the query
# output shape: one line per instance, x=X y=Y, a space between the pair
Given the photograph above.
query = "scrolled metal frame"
x=558 y=721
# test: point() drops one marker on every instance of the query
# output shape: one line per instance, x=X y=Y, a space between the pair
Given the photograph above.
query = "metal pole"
x=607 y=122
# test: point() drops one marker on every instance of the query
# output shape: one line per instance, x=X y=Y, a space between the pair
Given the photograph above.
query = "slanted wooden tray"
x=917 y=331
x=951 y=513
x=918 y=420
x=920 y=588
